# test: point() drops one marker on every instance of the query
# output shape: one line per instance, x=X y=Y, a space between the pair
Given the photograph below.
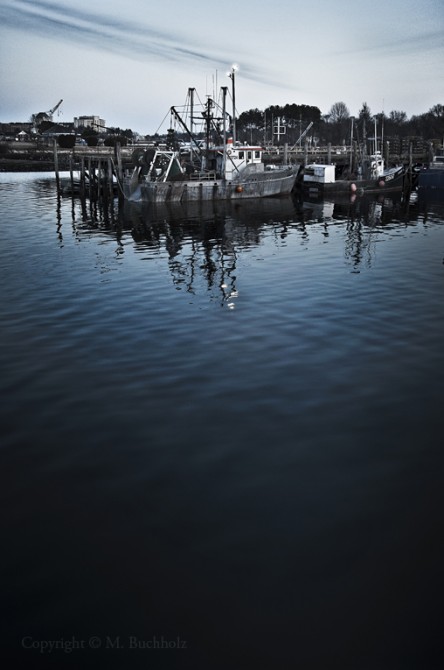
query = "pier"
x=95 y=174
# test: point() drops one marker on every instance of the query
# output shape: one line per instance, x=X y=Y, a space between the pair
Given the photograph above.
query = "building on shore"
x=94 y=122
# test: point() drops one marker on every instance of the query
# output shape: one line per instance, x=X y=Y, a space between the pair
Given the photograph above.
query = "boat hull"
x=264 y=185
x=431 y=178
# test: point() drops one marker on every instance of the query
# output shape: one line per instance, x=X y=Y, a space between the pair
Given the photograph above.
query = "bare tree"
x=438 y=111
x=338 y=112
x=398 y=117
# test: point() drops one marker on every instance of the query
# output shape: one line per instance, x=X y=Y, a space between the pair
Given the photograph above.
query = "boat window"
x=249 y=155
x=241 y=154
x=257 y=154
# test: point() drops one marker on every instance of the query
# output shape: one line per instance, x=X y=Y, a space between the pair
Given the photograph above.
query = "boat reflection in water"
x=201 y=241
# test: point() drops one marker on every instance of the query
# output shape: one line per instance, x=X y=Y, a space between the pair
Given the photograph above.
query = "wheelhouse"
x=234 y=159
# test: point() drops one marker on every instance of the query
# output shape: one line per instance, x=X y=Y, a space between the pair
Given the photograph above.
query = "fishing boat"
x=215 y=168
x=371 y=177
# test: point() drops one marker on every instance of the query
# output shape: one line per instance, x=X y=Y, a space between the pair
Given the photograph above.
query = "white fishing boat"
x=218 y=168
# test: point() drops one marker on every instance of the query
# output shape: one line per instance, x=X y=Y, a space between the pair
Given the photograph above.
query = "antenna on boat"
x=232 y=75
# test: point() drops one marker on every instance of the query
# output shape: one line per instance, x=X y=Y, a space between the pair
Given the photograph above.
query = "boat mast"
x=382 y=130
x=351 y=144
x=191 y=94
x=224 y=128
x=208 y=118
x=232 y=76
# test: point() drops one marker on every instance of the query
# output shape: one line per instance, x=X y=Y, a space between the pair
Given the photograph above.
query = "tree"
x=294 y=117
x=116 y=139
x=365 y=113
x=436 y=121
x=338 y=112
x=66 y=141
x=336 y=123
x=91 y=137
x=398 y=117
x=251 y=125
x=437 y=111
x=364 y=119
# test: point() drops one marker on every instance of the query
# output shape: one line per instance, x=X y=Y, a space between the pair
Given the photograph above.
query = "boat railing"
x=203 y=176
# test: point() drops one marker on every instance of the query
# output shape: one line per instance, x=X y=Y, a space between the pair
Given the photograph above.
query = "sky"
x=129 y=61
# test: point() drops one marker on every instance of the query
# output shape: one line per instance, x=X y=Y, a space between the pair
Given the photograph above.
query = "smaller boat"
x=372 y=177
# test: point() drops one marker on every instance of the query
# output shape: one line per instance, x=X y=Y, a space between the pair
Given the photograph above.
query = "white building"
x=93 y=122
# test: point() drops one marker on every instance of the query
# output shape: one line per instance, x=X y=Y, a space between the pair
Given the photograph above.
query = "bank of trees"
x=261 y=127
x=290 y=121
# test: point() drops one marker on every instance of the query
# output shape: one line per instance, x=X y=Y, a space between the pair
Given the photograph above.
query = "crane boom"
x=51 y=111
x=304 y=133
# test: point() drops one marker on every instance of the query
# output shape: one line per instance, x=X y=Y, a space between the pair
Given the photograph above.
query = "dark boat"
x=432 y=175
x=372 y=177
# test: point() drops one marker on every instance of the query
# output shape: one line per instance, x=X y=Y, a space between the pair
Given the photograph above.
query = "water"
x=222 y=433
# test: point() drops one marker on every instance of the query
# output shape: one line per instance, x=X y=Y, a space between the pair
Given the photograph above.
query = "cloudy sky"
x=128 y=61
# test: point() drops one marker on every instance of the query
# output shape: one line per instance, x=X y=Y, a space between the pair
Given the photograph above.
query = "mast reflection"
x=201 y=242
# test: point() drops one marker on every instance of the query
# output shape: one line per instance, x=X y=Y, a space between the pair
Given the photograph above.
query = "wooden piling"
x=56 y=166
x=82 y=177
x=110 y=178
x=90 y=177
x=119 y=174
x=71 y=173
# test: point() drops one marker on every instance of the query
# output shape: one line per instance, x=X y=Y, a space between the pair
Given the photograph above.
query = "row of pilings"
x=96 y=177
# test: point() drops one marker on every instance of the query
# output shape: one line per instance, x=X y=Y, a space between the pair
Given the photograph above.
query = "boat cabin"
x=319 y=174
x=373 y=166
x=238 y=157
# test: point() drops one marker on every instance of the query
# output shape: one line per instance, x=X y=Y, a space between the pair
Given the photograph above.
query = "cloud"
x=101 y=31
x=429 y=41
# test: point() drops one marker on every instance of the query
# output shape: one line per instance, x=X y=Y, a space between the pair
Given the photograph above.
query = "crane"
x=51 y=111
x=44 y=116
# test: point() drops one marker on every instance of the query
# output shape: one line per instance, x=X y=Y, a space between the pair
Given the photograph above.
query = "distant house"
x=22 y=136
x=94 y=122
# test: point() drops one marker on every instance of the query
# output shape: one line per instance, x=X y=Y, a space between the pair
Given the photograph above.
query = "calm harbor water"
x=222 y=433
